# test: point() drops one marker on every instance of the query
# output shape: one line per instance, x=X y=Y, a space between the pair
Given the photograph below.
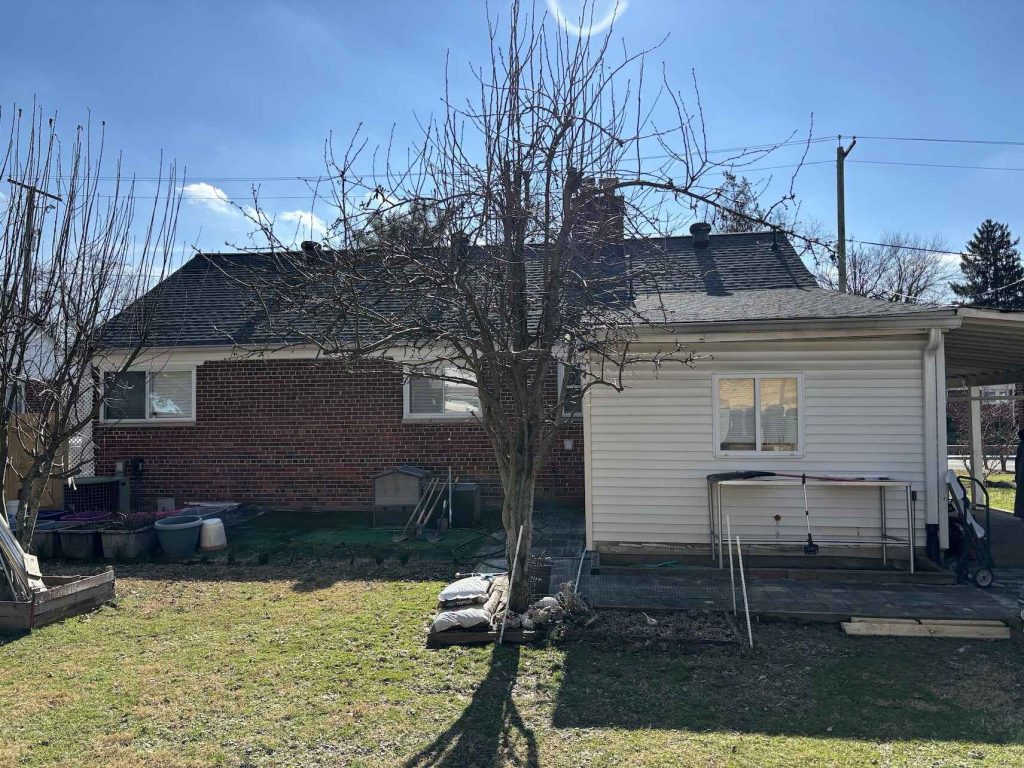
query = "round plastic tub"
x=212 y=536
x=179 y=536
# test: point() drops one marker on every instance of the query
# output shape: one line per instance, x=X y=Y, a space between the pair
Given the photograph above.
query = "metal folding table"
x=717 y=517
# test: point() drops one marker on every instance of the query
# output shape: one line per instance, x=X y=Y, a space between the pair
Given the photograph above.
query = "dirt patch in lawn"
x=656 y=629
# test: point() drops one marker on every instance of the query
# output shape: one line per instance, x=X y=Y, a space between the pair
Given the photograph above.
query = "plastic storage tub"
x=128 y=545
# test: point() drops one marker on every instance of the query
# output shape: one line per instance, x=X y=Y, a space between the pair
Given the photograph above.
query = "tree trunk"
x=516 y=512
x=32 y=488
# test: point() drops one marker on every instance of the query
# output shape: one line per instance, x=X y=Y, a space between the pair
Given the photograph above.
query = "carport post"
x=977 y=448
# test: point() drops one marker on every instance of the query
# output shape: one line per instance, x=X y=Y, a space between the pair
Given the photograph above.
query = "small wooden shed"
x=397 y=489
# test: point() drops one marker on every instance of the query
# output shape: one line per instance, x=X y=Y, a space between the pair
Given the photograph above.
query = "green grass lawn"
x=318 y=534
x=1000 y=498
x=324 y=664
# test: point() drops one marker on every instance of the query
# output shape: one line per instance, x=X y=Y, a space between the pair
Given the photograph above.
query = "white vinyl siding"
x=652 y=446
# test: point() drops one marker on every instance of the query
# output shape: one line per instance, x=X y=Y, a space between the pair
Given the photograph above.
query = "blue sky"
x=252 y=89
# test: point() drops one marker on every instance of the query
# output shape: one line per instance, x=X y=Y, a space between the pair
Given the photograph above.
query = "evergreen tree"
x=740 y=201
x=992 y=270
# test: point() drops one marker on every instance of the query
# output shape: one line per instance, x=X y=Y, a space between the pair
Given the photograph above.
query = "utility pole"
x=841 y=211
x=28 y=239
x=29 y=235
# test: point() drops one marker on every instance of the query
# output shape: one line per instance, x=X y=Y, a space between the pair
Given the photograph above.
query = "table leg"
x=910 y=526
x=721 y=559
x=885 y=546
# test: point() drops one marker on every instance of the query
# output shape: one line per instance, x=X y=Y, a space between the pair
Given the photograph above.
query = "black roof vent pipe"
x=701 y=232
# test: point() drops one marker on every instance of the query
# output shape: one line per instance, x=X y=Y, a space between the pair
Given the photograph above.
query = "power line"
x=945 y=141
x=940 y=165
x=320 y=177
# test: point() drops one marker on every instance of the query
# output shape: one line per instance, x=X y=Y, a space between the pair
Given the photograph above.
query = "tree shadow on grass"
x=488 y=727
x=805 y=681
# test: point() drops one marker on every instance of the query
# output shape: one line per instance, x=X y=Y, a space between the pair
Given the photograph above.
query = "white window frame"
x=408 y=415
x=147 y=419
x=757 y=452
x=561 y=378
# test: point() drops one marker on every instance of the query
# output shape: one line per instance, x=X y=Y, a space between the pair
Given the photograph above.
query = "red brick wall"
x=310 y=434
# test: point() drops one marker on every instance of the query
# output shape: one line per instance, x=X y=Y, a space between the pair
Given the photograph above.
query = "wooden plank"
x=897 y=629
x=15 y=615
x=882 y=620
x=939 y=622
x=83 y=603
x=964 y=622
x=54 y=604
x=473 y=637
x=73 y=587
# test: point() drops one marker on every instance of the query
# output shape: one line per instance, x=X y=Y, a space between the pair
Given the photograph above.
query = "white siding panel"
x=651 y=446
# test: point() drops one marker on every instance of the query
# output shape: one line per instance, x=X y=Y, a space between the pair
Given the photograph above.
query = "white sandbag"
x=465 y=618
x=546 y=602
x=472 y=589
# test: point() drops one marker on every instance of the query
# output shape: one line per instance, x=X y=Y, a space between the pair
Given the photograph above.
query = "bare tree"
x=999 y=426
x=73 y=254
x=901 y=268
x=523 y=195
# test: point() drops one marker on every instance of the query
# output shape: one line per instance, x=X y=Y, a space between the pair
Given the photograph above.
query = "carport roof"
x=987 y=347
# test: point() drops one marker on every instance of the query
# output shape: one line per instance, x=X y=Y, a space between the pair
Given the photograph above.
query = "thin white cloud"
x=587 y=24
x=306 y=222
x=212 y=198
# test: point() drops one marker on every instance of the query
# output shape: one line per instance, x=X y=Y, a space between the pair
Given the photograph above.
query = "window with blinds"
x=758 y=414
x=141 y=396
x=170 y=395
x=442 y=397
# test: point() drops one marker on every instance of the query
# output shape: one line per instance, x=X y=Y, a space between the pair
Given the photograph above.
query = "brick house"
x=786 y=379
x=213 y=420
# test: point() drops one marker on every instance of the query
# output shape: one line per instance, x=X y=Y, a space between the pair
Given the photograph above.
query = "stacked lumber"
x=969 y=629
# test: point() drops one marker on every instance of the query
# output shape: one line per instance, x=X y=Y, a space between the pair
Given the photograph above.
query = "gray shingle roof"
x=738 y=277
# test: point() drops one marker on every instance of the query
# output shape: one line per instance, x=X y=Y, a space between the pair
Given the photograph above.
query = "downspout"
x=932 y=454
x=588 y=472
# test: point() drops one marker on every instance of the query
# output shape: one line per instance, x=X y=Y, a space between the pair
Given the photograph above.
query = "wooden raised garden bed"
x=64 y=596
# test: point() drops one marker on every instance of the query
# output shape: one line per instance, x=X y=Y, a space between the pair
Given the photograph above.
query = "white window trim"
x=149 y=420
x=759 y=454
x=561 y=377
x=408 y=415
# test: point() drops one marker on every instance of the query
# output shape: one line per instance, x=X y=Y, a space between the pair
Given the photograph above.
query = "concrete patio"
x=817 y=600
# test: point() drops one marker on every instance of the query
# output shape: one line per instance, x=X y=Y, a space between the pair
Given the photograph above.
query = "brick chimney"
x=600 y=214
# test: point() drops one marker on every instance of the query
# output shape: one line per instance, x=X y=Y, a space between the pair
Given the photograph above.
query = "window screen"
x=759 y=414
x=170 y=395
x=124 y=395
x=443 y=397
x=736 y=418
x=426 y=395
x=780 y=414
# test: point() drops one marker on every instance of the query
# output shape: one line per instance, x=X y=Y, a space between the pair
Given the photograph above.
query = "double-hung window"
x=570 y=390
x=165 y=395
x=758 y=414
x=451 y=396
